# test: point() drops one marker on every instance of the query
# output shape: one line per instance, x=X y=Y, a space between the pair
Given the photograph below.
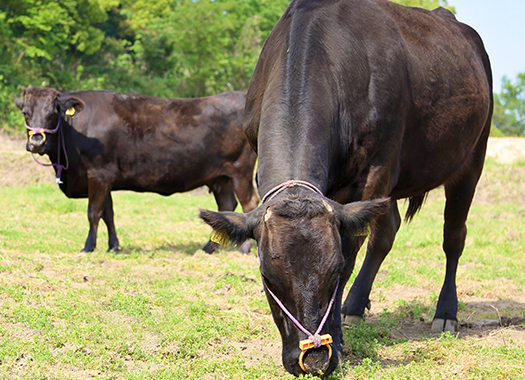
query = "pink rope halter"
x=291 y=183
x=60 y=139
x=315 y=337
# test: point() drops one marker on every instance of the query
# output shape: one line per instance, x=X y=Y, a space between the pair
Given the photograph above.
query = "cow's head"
x=41 y=107
x=306 y=247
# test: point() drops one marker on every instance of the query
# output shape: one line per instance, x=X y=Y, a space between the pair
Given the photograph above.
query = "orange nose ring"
x=306 y=344
x=32 y=133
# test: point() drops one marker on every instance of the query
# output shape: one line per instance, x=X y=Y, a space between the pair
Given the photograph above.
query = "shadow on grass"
x=188 y=249
x=363 y=343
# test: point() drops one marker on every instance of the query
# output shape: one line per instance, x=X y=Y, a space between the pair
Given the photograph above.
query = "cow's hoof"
x=210 y=247
x=87 y=250
x=440 y=325
x=246 y=247
x=351 y=320
x=115 y=250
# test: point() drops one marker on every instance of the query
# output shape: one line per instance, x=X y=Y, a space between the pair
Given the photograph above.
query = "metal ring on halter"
x=306 y=344
x=32 y=133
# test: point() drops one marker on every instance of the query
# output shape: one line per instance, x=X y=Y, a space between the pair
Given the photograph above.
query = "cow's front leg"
x=379 y=245
x=98 y=191
x=108 y=217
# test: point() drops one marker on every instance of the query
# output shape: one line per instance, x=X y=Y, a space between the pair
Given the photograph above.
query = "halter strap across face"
x=285 y=185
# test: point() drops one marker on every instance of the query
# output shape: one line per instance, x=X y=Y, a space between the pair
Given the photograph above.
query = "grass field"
x=163 y=309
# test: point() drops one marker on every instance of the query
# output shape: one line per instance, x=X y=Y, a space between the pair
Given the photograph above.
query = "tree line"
x=167 y=48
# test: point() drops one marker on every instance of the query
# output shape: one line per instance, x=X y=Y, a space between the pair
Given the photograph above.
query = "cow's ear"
x=357 y=216
x=19 y=103
x=238 y=226
x=71 y=106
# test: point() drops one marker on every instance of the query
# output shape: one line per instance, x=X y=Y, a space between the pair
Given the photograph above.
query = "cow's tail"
x=414 y=205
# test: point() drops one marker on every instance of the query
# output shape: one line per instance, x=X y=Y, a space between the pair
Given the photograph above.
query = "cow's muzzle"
x=36 y=142
x=319 y=362
x=39 y=138
x=313 y=360
x=316 y=360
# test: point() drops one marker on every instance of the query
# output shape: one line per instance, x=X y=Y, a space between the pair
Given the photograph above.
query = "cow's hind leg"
x=108 y=217
x=379 y=245
x=245 y=191
x=97 y=195
x=459 y=193
x=222 y=190
x=248 y=198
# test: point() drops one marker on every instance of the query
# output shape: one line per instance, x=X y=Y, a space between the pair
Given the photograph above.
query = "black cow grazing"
x=101 y=141
x=353 y=105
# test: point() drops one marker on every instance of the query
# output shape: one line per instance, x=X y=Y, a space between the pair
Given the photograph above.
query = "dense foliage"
x=171 y=48
x=175 y=48
x=509 y=110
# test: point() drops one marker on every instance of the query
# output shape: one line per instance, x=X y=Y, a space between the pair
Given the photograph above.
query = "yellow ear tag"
x=70 y=112
x=220 y=237
x=363 y=231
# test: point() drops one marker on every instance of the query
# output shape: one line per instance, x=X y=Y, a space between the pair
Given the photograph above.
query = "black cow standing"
x=102 y=141
x=353 y=105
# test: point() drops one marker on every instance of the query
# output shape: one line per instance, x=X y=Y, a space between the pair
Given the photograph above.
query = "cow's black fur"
x=117 y=141
x=364 y=99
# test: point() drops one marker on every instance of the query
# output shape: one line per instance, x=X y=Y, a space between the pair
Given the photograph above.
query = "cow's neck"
x=57 y=150
x=288 y=155
x=53 y=153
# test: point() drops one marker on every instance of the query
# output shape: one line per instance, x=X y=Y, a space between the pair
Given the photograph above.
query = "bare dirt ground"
x=17 y=168
x=506 y=150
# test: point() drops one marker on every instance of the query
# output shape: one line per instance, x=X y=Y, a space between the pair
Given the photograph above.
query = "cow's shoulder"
x=228 y=100
x=445 y=13
x=98 y=100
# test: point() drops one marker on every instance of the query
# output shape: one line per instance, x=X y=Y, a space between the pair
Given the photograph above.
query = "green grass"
x=163 y=309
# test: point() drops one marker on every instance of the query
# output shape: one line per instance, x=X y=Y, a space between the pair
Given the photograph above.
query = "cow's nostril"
x=316 y=360
x=36 y=140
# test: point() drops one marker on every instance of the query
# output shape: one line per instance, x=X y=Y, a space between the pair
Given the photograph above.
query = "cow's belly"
x=429 y=169
x=164 y=177
x=164 y=185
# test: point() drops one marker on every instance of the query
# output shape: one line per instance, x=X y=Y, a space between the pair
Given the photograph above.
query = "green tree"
x=175 y=48
x=156 y=47
x=509 y=107
x=45 y=28
x=201 y=47
x=47 y=43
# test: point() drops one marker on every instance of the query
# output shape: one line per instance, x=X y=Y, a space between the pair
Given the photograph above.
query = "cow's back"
x=379 y=84
x=162 y=145
x=450 y=84
x=187 y=141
